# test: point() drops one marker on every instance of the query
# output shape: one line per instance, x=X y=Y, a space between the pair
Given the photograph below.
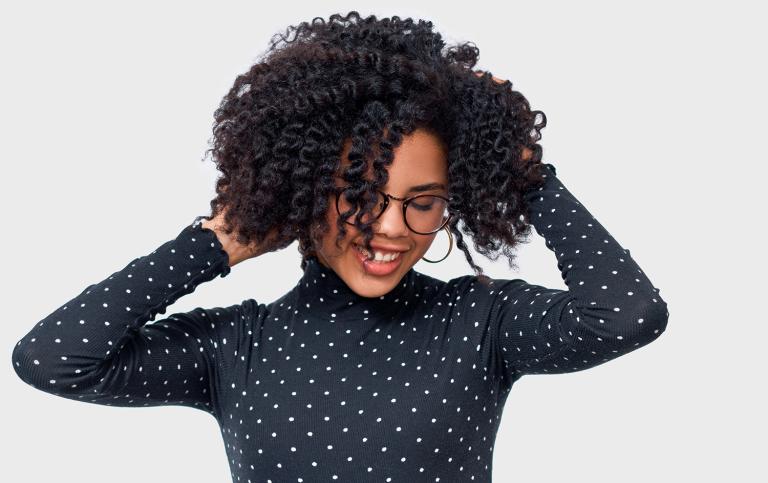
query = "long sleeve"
x=610 y=308
x=98 y=347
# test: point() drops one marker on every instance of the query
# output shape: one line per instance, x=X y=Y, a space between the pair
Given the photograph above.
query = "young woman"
x=363 y=139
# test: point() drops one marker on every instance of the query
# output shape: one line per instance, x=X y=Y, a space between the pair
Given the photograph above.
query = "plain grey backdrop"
x=656 y=122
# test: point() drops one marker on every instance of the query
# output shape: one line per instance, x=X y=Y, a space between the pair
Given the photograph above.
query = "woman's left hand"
x=499 y=81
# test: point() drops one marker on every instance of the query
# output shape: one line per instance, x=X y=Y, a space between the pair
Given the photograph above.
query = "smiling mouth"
x=378 y=256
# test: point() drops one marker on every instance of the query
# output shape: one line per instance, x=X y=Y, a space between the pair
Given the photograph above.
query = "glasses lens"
x=426 y=213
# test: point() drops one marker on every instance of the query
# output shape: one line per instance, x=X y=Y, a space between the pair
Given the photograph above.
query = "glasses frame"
x=405 y=202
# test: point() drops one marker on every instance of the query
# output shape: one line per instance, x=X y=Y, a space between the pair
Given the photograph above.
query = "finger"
x=496 y=79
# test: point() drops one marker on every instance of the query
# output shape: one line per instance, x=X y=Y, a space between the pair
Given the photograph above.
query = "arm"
x=98 y=348
x=610 y=308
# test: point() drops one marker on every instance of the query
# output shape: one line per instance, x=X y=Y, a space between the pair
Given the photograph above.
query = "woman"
x=362 y=138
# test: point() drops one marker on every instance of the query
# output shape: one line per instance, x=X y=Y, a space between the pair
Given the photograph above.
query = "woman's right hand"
x=238 y=252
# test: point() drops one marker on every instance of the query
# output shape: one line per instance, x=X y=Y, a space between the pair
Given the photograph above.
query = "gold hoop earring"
x=450 y=246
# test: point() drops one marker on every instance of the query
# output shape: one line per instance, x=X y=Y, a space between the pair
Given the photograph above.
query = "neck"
x=326 y=294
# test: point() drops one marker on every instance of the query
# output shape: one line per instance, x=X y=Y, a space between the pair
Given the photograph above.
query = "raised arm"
x=610 y=308
x=98 y=347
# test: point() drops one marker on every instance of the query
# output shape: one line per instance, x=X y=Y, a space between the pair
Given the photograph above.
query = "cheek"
x=423 y=242
x=329 y=240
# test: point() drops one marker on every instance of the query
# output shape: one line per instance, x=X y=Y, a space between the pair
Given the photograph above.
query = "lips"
x=375 y=268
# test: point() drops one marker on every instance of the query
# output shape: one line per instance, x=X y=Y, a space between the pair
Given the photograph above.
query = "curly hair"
x=279 y=131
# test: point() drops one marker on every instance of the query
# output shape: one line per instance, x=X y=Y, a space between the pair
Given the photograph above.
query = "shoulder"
x=238 y=314
x=253 y=308
x=472 y=285
x=489 y=297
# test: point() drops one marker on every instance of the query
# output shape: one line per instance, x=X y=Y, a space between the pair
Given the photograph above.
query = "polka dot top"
x=325 y=385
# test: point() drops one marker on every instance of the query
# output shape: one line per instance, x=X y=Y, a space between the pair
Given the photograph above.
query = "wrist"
x=224 y=241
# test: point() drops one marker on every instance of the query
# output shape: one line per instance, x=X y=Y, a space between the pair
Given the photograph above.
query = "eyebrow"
x=426 y=187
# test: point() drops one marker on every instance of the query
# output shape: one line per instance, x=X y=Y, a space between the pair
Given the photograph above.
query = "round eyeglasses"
x=423 y=214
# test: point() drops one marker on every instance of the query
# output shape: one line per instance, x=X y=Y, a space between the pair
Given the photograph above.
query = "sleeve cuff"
x=209 y=236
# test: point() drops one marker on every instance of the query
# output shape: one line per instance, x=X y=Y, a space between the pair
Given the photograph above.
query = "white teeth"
x=378 y=256
x=381 y=257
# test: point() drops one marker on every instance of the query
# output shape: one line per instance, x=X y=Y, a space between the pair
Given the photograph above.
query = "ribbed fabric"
x=325 y=385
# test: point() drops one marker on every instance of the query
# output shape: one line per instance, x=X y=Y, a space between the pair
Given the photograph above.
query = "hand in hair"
x=237 y=251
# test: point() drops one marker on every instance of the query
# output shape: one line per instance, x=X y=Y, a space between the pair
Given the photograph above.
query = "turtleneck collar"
x=321 y=291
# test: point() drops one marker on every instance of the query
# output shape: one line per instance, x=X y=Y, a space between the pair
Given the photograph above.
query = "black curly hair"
x=278 y=133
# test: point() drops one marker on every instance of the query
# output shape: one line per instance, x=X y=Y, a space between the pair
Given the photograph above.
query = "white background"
x=656 y=122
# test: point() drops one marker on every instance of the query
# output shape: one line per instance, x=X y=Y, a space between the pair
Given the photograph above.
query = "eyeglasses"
x=423 y=214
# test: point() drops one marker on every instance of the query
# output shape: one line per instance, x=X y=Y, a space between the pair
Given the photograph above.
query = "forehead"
x=420 y=158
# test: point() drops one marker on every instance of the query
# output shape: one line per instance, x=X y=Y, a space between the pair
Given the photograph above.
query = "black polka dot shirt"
x=325 y=385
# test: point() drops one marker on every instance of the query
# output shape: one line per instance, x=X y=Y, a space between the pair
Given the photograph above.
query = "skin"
x=419 y=159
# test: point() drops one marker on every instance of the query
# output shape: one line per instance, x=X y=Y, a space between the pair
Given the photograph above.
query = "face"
x=420 y=159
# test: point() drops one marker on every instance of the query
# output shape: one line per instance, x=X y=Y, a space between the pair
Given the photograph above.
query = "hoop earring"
x=450 y=247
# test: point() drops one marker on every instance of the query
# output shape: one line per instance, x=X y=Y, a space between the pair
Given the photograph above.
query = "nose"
x=391 y=223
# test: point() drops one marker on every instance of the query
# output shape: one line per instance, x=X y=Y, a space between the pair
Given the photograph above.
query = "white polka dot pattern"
x=609 y=309
x=325 y=385
x=97 y=348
